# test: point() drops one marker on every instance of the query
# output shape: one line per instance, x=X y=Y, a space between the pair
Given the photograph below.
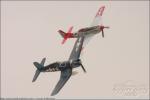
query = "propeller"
x=102 y=29
x=68 y=34
x=83 y=67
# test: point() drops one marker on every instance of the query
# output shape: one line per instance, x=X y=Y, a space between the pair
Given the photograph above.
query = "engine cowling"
x=76 y=63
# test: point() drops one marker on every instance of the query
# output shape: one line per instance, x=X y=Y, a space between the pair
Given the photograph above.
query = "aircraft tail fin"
x=39 y=67
x=66 y=35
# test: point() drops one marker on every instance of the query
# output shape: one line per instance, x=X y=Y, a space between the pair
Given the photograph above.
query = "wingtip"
x=44 y=58
x=53 y=94
x=100 y=11
x=33 y=81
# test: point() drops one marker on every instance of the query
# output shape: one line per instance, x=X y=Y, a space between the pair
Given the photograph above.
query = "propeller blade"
x=102 y=33
x=83 y=68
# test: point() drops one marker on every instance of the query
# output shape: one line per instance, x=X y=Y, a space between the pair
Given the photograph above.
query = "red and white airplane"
x=88 y=32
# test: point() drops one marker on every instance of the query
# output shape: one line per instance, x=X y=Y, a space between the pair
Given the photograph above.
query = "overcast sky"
x=29 y=33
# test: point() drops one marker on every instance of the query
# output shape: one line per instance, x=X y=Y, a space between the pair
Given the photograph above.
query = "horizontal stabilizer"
x=66 y=35
x=39 y=67
x=62 y=33
x=36 y=75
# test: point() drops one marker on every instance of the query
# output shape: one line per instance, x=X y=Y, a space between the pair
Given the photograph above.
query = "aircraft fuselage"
x=88 y=31
x=61 y=66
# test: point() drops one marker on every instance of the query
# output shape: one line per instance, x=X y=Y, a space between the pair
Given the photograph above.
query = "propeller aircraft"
x=74 y=61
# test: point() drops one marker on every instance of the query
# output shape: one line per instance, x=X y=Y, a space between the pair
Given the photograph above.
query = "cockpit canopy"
x=63 y=64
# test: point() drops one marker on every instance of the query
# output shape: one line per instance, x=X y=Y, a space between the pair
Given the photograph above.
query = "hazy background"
x=29 y=33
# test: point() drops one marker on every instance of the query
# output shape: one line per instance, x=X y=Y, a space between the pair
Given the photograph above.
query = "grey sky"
x=29 y=33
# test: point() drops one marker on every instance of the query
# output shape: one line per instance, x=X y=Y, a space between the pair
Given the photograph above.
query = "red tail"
x=66 y=35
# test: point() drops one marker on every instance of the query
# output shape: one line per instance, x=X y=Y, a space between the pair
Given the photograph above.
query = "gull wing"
x=75 y=54
x=65 y=75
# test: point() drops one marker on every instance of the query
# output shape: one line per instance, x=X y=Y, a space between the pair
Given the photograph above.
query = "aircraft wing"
x=87 y=39
x=65 y=75
x=98 y=18
x=97 y=21
x=75 y=54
